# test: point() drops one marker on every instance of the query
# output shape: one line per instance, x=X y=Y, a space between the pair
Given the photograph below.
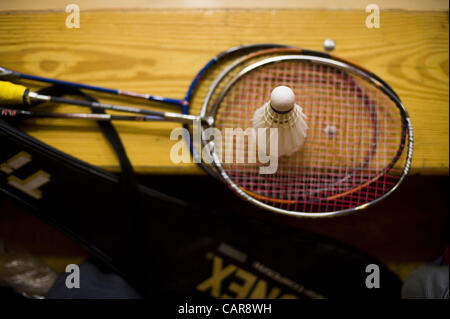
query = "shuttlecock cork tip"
x=282 y=99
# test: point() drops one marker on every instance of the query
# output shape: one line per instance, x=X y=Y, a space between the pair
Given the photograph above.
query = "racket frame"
x=317 y=57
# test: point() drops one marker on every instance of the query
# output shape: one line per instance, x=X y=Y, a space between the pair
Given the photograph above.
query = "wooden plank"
x=159 y=52
x=416 y=5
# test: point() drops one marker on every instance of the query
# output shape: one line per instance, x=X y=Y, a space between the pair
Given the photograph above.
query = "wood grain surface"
x=159 y=52
x=415 y=5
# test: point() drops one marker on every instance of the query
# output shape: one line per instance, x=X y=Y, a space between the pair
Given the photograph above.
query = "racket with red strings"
x=359 y=145
x=358 y=149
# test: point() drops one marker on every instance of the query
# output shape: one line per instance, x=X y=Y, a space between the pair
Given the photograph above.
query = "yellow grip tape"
x=11 y=93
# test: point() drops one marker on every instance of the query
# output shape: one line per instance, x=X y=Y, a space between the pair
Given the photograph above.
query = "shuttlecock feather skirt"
x=292 y=127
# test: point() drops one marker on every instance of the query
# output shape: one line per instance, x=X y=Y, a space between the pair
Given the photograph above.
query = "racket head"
x=360 y=164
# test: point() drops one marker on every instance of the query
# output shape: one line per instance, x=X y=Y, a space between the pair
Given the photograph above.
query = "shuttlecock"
x=282 y=113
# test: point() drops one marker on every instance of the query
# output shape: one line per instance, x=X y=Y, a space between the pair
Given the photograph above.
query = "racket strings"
x=354 y=135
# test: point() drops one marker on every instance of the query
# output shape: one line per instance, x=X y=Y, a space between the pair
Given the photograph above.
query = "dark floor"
x=410 y=225
x=408 y=228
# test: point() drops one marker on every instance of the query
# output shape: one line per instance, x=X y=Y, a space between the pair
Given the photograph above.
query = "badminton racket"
x=362 y=162
x=359 y=146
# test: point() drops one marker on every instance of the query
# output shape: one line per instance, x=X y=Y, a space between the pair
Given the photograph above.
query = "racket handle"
x=13 y=94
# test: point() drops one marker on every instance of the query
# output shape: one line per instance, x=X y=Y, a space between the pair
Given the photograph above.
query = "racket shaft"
x=4 y=72
x=5 y=112
x=159 y=116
